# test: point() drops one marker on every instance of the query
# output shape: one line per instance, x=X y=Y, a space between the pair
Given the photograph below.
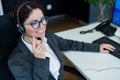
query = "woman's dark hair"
x=25 y=10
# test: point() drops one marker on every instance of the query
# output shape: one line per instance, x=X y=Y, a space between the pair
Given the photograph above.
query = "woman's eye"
x=33 y=23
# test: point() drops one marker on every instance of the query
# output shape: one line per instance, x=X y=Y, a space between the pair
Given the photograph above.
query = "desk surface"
x=94 y=66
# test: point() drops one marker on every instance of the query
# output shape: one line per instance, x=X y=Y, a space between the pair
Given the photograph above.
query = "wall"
x=78 y=9
x=51 y=7
x=94 y=13
x=85 y=12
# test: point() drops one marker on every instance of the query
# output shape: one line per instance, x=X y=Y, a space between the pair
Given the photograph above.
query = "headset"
x=20 y=26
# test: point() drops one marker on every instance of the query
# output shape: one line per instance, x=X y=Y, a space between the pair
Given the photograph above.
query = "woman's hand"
x=38 y=49
x=106 y=48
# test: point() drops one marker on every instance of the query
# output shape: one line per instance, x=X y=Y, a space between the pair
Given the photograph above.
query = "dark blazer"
x=24 y=66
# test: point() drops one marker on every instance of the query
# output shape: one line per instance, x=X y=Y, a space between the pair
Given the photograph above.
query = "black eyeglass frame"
x=39 y=23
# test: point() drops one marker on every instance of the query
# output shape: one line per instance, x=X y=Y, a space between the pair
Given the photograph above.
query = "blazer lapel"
x=26 y=51
x=53 y=46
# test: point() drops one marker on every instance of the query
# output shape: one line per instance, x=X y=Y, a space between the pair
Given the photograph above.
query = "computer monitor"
x=116 y=17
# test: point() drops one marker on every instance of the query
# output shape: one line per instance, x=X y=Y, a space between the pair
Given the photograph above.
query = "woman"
x=37 y=55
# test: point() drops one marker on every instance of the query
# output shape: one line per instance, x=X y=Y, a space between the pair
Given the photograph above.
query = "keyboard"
x=104 y=39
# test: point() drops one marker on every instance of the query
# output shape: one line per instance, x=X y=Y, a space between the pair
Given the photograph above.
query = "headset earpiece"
x=20 y=29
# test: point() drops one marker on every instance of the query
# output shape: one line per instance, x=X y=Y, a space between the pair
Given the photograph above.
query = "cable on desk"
x=88 y=31
x=101 y=69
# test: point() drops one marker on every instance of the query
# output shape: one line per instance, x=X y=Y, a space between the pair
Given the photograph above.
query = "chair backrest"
x=8 y=39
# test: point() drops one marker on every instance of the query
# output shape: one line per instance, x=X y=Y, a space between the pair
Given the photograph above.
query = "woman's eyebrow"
x=36 y=19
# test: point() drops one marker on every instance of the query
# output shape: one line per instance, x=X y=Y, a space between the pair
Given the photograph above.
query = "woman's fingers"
x=33 y=44
x=106 y=48
x=37 y=48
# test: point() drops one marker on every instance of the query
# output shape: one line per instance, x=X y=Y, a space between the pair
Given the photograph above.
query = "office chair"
x=8 y=38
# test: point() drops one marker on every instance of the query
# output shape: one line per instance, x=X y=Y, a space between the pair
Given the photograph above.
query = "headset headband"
x=19 y=8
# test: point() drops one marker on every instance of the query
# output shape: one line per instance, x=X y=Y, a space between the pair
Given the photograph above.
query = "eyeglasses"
x=36 y=24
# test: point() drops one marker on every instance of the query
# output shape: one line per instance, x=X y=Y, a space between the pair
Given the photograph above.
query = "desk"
x=92 y=65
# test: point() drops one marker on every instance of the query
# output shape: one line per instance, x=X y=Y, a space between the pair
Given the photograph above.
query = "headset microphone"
x=38 y=38
x=28 y=35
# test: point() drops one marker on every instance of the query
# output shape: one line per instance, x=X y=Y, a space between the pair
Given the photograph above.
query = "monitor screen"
x=116 y=17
